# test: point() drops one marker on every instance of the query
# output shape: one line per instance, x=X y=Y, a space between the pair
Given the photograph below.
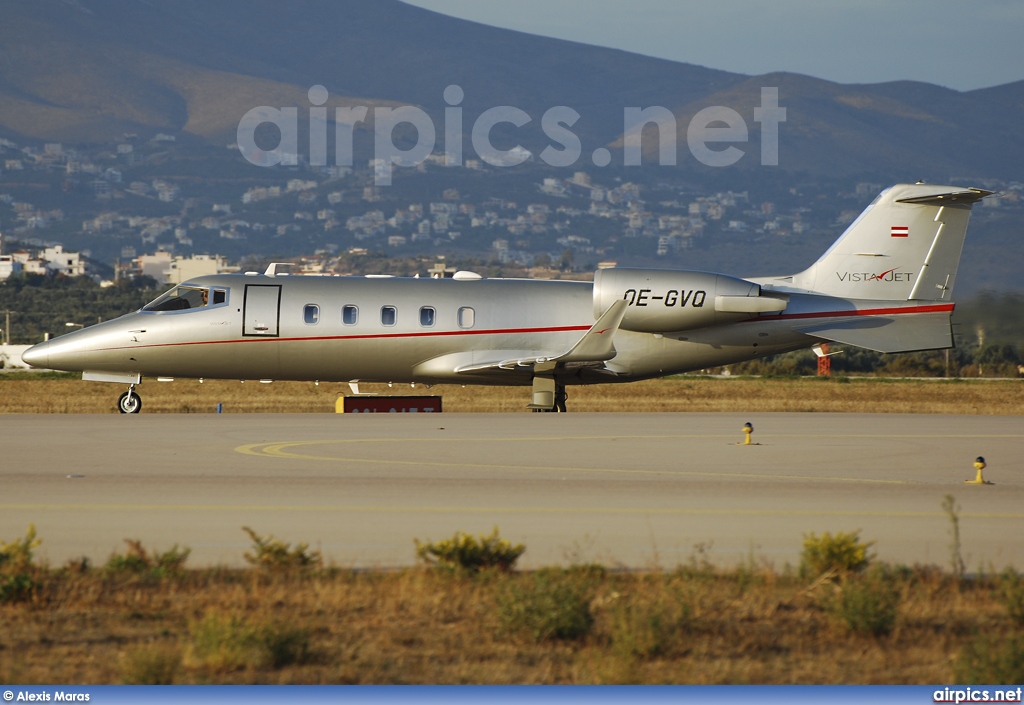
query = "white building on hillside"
x=29 y=264
x=154 y=265
x=9 y=266
x=168 y=269
x=60 y=262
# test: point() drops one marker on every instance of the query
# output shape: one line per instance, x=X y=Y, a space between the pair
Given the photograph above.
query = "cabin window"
x=311 y=314
x=467 y=317
x=219 y=296
x=180 y=298
x=427 y=316
x=388 y=315
x=349 y=315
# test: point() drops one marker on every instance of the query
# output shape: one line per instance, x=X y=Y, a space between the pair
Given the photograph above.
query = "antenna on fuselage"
x=272 y=268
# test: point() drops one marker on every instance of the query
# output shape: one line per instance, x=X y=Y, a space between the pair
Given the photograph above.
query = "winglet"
x=597 y=344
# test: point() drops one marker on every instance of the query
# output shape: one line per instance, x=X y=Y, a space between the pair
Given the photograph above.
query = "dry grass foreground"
x=135 y=624
x=29 y=393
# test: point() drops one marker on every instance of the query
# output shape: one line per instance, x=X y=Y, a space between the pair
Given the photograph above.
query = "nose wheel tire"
x=129 y=403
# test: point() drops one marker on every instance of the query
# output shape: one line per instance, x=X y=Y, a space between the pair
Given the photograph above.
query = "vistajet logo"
x=707 y=130
x=891 y=275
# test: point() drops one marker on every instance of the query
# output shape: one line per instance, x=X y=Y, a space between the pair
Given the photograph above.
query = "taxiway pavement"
x=631 y=490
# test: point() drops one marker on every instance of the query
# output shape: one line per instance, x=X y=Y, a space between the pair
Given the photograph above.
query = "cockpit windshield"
x=180 y=298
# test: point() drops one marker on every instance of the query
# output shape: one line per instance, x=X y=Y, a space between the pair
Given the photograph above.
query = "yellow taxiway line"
x=643 y=511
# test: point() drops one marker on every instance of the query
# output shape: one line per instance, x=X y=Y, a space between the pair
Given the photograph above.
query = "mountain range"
x=87 y=71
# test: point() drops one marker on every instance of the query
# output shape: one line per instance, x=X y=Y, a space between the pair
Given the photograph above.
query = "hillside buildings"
x=49 y=261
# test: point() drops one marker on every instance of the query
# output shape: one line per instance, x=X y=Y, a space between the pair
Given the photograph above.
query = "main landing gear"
x=130 y=402
x=558 y=403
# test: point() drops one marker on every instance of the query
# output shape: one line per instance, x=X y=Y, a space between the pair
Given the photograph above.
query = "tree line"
x=36 y=304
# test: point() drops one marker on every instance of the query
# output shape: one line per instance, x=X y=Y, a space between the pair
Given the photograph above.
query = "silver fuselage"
x=234 y=340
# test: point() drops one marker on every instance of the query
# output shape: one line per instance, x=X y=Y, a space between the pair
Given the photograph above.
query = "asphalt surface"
x=631 y=490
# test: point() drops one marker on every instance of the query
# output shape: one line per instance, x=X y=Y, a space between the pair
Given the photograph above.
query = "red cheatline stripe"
x=936 y=308
x=432 y=334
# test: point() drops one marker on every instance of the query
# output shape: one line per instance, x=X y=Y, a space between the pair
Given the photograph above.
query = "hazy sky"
x=953 y=43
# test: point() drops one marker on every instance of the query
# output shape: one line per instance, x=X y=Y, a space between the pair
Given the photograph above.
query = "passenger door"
x=261 y=313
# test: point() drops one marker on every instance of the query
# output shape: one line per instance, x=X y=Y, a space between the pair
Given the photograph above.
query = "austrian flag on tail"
x=900 y=231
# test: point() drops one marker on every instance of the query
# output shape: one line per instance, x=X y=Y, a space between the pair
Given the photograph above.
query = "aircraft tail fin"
x=905 y=246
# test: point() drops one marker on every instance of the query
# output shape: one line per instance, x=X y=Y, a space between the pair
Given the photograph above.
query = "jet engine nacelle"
x=659 y=300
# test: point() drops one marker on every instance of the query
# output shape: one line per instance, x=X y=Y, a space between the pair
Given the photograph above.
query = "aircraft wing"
x=596 y=345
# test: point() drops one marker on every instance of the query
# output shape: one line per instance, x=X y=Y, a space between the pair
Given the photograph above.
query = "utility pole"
x=7 y=327
x=981 y=346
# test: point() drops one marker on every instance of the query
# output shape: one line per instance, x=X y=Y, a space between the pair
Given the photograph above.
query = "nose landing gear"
x=130 y=402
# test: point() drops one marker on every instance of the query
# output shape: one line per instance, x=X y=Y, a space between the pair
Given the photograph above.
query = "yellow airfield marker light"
x=979 y=465
x=748 y=429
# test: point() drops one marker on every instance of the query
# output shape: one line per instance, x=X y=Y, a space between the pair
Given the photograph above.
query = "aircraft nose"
x=37 y=355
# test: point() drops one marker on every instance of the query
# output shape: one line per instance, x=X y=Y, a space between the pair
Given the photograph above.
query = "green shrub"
x=274 y=555
x=17 y=588
x=867 y=605
x=222 y=643
x=1011 y=594
x=646 y=626
x=151 y=665
x=137 y=560
x=842 y=552
x=16 y=581
x=547 y=605
x=16 y=555
x=283 y=645
x=227 y=643
x=465 y=552
x=989 y=659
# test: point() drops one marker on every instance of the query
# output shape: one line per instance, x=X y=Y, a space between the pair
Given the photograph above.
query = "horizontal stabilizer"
x=889 y=334
x=965 y=197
